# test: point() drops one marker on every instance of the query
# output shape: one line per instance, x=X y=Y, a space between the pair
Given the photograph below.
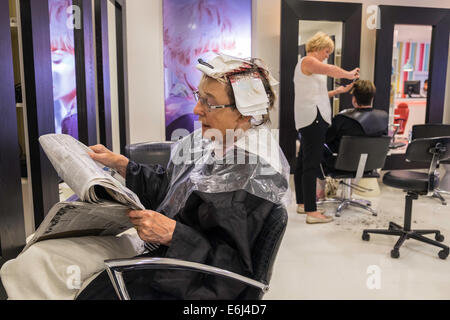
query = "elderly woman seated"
x=208 y=206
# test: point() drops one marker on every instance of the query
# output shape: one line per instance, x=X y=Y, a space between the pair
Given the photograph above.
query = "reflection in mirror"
x=409 y=81
x=63 y=67
x=307 y=29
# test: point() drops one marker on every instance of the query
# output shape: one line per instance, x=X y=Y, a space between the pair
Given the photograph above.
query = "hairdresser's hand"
x=110 y=159
x=152 y=226
x=344 y=89
x=354 y=74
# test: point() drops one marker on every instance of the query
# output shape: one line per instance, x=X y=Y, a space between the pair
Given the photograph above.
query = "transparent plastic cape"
x=254 y=163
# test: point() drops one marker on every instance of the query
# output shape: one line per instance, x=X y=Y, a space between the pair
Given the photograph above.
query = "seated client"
x=208 y=206
x=361 y=120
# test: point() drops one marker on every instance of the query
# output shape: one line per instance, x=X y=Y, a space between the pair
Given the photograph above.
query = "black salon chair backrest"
x=420 y=150
x=150 y=153
x=266 y=247
x=430 y=131
x=351 y=149
x=265 y=250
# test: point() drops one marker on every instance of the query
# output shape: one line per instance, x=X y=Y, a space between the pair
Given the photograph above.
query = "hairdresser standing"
x=313 y=117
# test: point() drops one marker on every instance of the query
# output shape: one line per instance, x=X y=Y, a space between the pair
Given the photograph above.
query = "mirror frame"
x=122 y=73
x=103 y=73
x=12 y=223
x=350 y=14
x=37 y=66
x=85 y=75
x=439 y=19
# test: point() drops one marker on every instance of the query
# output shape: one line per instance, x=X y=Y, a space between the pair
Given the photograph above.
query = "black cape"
x=357 y=122
x=214 y=229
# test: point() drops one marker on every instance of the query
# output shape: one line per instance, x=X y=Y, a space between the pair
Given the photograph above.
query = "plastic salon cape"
x=219 y=200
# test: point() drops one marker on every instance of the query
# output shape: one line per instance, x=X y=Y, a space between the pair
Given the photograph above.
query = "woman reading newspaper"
x=208 y=206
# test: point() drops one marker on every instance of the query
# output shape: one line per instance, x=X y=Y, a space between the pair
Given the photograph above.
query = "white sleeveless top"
x=311 y=93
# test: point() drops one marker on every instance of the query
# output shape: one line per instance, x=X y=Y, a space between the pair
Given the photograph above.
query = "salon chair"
x=264 y=251
x=435 y=131
x=395 y=145
x=415 y=184
x=358 y=157
x=150 y=153
x=401 y=116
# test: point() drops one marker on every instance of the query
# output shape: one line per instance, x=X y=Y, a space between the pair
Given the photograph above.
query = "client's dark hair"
x=364 y=91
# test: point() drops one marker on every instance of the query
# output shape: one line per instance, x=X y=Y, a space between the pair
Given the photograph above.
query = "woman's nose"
x=199 y=110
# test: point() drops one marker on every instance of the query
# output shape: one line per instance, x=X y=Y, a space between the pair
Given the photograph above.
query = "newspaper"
x=86 y=177
x=103 y=200
x=82 y=219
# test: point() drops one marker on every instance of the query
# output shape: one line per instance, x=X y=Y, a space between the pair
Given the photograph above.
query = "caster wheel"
x=395 y=254
x=443 y=254
x=366 y=237
x=439 y=238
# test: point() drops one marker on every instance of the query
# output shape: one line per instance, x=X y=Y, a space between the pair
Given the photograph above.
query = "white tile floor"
x=331 y=261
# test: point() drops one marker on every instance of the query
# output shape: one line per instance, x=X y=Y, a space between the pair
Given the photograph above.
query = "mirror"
x=63 y=68
x=409 y=81
x=307 y=29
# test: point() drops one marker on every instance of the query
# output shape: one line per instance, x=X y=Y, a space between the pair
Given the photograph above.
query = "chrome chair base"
x=438 y=195
x=343 y=204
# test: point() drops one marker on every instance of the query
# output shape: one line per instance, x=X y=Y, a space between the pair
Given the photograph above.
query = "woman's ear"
x=245 y=118
x=355 y=104
x=243 y=121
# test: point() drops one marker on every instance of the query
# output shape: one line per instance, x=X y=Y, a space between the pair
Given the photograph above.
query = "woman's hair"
x=264 y=75
x=319 y=42
x=364 y=91
x=61 y=36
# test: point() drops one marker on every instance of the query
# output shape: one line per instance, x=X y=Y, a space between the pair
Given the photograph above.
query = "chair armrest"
x=116 y=267
x=327 y=148
x=396 y=145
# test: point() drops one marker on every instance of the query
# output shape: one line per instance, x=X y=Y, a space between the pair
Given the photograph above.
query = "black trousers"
x=308 y=162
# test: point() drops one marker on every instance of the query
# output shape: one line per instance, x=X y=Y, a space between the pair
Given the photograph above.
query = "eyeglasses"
x=204 y=102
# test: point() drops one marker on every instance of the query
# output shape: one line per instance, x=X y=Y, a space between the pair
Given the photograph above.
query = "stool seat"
x=407 y=180
x=415 y=184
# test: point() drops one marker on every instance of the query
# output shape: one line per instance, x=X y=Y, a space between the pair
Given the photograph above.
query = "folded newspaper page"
x=89 y=179
x=82 y=219
x=103 y=200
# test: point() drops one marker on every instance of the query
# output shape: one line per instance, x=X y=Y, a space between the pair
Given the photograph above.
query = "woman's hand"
x=340 y=90
x=344 y=89
x=354 y=74
x=153 y=226
x=109 y=159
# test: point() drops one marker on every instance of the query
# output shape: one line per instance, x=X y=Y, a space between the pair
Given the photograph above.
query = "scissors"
x=342 y=84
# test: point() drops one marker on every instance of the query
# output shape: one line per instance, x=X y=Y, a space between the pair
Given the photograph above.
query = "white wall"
x=145 y=70
x=266 y=41
x=113 y=77
x=145 y=56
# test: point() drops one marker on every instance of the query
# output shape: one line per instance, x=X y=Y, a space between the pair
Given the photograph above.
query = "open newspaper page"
x=86 y=177
x=79 y=219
